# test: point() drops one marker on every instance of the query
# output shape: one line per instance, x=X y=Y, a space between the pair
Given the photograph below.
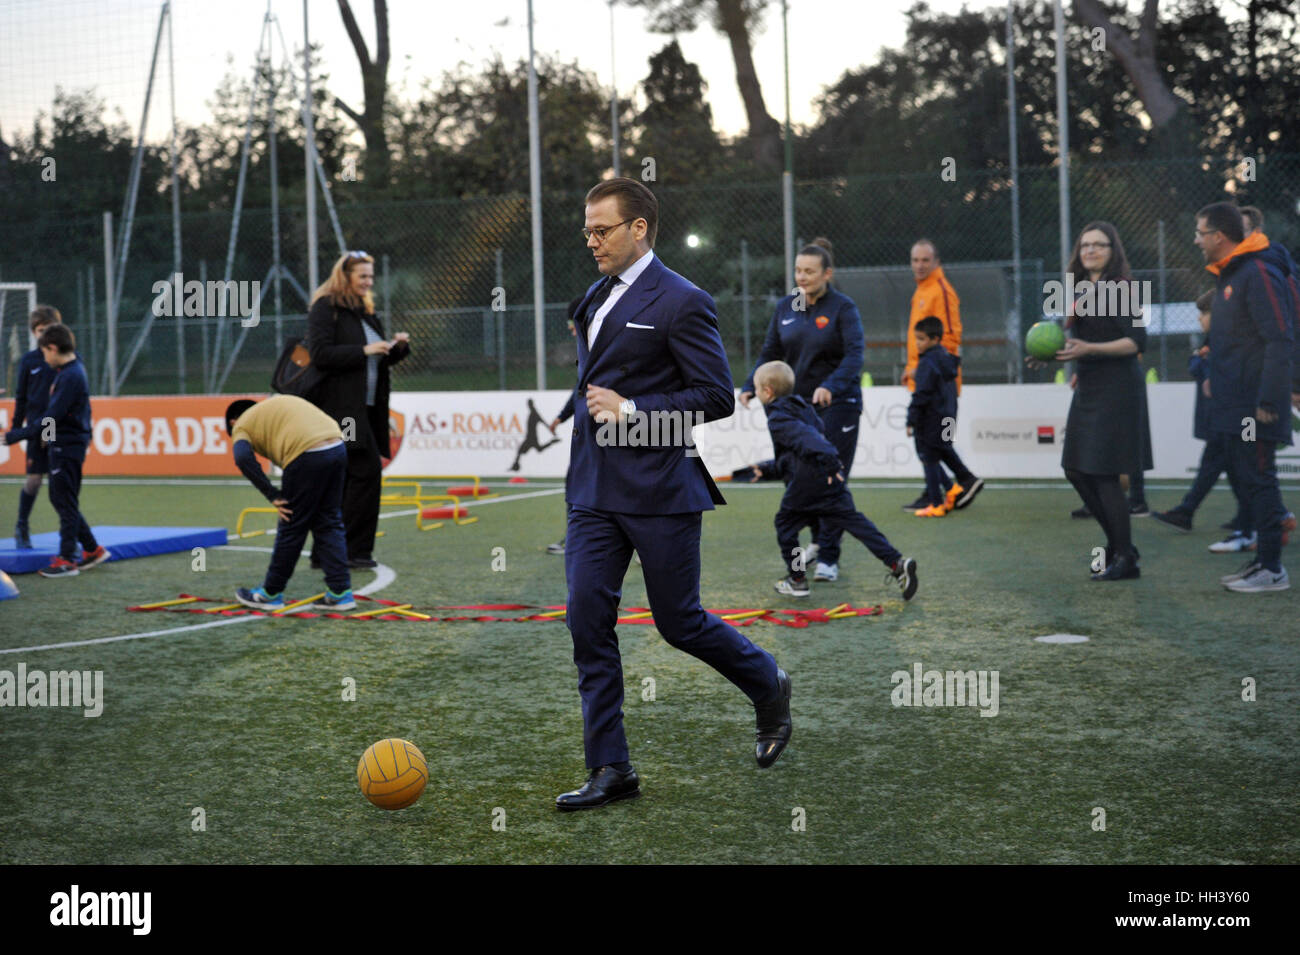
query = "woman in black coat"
x=1107 y=432
x=347 y=343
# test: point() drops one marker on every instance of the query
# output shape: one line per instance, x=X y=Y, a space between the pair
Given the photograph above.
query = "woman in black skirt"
x=1107 y=433
x=346 y=341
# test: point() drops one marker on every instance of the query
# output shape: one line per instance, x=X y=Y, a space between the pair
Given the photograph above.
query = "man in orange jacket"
x=934 y=295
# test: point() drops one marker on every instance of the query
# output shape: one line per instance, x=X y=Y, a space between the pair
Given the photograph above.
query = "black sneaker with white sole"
x=792 y=587
x=903 y=573
x=968 y=494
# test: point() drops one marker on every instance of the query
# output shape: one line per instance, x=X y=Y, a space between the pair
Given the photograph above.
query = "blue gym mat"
x=124 y=542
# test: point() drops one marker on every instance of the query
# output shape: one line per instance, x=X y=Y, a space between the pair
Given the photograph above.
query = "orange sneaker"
x=934 y=510
x=954 y=492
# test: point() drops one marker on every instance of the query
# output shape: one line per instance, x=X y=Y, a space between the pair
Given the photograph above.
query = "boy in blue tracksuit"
x=65 y=430
x=30 y=396
x=815 y=489
x=931 y=419
x=818 y=332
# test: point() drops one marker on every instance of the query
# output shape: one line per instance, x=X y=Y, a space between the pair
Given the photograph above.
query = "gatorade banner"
x=171 y=436
x=1002 y=431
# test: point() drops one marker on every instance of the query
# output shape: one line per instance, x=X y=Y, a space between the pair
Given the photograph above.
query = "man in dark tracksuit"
x=30 y=395
x=67 y=418
x=1252 y=340
x=814 y=477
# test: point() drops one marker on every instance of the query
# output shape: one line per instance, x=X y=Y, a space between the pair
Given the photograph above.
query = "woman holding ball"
x=818 y=332
x=1107 y=433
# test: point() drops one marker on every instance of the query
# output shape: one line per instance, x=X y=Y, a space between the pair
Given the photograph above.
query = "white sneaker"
x=810 y=554
x=1245 y=570
x=1234 y=543
x=1261 y=581
x=827 y=571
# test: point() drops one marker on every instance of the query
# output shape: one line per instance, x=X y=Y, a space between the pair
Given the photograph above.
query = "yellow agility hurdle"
x=474 y=478
x=239 y=523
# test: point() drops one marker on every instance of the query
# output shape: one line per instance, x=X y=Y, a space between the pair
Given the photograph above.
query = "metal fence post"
x=501 y=325
x=1164 y=303
x=744 y=297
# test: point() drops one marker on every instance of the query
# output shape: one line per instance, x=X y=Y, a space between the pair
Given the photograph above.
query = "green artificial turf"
x=1145 y=720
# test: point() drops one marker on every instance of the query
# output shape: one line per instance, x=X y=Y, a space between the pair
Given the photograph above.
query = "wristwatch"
x=627 y=407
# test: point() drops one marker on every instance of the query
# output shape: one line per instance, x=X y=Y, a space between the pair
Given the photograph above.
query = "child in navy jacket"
x=931 y=419
x=814 y=481
x=65 y=431
x=33 y=390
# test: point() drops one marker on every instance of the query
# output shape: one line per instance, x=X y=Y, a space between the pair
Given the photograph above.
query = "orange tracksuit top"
x=934 y=296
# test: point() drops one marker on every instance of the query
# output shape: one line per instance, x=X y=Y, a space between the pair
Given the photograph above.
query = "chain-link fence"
x=457 y=274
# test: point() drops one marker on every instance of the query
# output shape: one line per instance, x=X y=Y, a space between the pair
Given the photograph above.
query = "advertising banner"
x=1003 y=431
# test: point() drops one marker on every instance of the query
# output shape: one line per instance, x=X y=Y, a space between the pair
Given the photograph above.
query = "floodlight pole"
x=1063 y=137
x=613 y=92
x=176 y=210
x=313 y=267
x=787 y=177
x=1014 y=319
x=535 y=192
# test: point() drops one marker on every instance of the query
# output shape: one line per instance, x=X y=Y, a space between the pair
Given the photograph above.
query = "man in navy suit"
x=648 y=350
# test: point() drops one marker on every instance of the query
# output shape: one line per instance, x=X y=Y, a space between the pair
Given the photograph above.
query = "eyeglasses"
x=1086 y=246
x=600 y=232
x=358 y=255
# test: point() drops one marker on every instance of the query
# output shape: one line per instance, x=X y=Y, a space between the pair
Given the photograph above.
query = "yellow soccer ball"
x=392 y=773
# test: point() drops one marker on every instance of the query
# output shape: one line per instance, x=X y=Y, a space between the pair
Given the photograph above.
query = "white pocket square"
x=635 y=325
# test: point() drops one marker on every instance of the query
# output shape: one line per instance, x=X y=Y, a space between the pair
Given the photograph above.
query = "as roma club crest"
x=396 y=429
x=1227 y=292
x=822 y=321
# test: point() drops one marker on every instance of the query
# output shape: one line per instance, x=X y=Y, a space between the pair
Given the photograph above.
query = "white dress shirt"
x=621 y=285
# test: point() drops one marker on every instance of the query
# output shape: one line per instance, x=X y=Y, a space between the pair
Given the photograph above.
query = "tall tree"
x=1138 y=57
x=374 y=79
x=738 y=20
x=676 y=126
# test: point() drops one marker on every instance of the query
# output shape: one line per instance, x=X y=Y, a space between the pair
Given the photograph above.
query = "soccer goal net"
x=17 y=300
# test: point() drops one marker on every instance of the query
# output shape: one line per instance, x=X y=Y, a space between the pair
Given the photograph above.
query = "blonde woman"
x=347 y=343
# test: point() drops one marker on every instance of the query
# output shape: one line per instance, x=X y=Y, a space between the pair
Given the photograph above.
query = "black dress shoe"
x=920 y=502
x=605 y=785
x=355 y=562
x=773 y=724
x=1081 y=513
x=1123 y=568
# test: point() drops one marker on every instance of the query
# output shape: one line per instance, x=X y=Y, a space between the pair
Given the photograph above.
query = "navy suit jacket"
x=660 y=347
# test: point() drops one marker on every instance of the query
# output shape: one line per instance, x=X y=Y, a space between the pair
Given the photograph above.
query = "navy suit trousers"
x=597 y=550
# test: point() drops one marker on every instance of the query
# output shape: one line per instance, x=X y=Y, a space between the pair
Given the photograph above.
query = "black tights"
x=1107 y=502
